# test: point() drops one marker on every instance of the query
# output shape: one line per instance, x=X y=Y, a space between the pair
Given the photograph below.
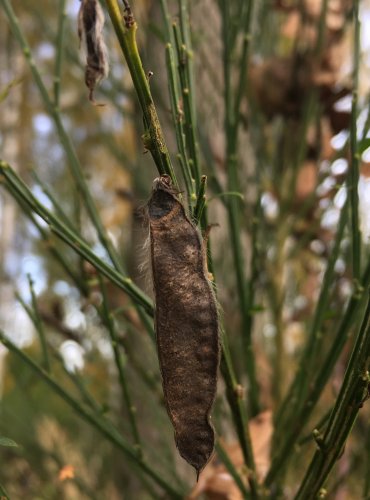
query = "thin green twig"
x=48 y=241
x=126 y=397
x=298 y=390
x=3 y=493
x=355 y=157
x=350 y=399
x=244 y=60
x=97 y=422
x=66 y=142
x=278 y=462
x=237 y=406
x=153 y=136
x=234 y=212
x=177 y=117
x=201 y=200
x=366 y=466
x=73 y=239
x=59 y=51
x=224 y=457
x=34 y=316
x=39 y=325
x=186 y=71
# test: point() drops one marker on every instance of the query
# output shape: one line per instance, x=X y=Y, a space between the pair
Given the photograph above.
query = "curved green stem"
x=153 y=136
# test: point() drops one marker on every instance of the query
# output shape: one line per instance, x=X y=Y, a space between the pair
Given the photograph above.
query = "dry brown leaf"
x=365 y=169
x=336 y=15
x=66 y=472
x=307 y=179
x=291 y=25
x=327 y=150
x=216 y=483
x=313 y=8
x=261 y=428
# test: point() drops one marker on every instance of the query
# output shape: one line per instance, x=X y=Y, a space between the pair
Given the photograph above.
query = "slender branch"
x=234 y=213
x=177 y=116
x=350 y=399
x=48 y=241
x=237 y=406
x=153 y=137
x=97 y=422
x=108 y=321
x=244 y=61
x=39 y=326
x=73 y=239
x=280 y=459
x=201 y=200
x=59 y=51
x=355 y=157
x=224 y=457
x=298 y=390
x=73 y=161
x=186 y=70
x=3 y=493
x=366 y=467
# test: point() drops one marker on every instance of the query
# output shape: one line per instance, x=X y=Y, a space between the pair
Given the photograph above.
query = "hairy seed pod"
x=90 y=29
x=186 y=321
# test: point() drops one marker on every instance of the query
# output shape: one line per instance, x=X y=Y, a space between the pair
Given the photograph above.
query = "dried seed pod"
x=186 y=320
x=90 y=29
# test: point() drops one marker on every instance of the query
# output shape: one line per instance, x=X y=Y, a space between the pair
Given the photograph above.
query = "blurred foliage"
x=281 y=209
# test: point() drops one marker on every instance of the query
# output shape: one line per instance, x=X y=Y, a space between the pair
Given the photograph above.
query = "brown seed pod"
x=186 y=321
x=90 y=29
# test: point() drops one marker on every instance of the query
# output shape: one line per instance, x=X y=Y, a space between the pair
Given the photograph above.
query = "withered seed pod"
x=186 y=321
x=90 y=29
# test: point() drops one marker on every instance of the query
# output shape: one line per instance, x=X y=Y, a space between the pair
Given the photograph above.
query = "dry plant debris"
x=90 y=30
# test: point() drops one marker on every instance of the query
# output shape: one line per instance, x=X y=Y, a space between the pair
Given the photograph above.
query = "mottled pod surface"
x=90 y=29
x=186 y=321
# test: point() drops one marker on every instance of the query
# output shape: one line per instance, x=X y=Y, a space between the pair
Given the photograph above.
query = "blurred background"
x=293 y=160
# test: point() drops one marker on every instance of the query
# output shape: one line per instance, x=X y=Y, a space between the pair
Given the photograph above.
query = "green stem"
x=85 y=394
x=201 y=200
x=224 y=457
x=237 y=406
x=167 y=20
x=73 y=239
x=49 y=243
x=126 y=36
x=54 y=112
x=34 y=316
x=96 y=422
x=178 y=122
x=355 y=157
x=108 y=321
x=57 y=207
x=3 y=493
x=186 y=70
x=307 y=366
x=349 y=401
x=280 y=459
x=366 y=468
x=39 y=326
x=244 y=60
x=234 y=213
x=59 y=52
x=67 y=221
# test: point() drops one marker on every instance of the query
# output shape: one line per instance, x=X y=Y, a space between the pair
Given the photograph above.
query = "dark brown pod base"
x=186 y=321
